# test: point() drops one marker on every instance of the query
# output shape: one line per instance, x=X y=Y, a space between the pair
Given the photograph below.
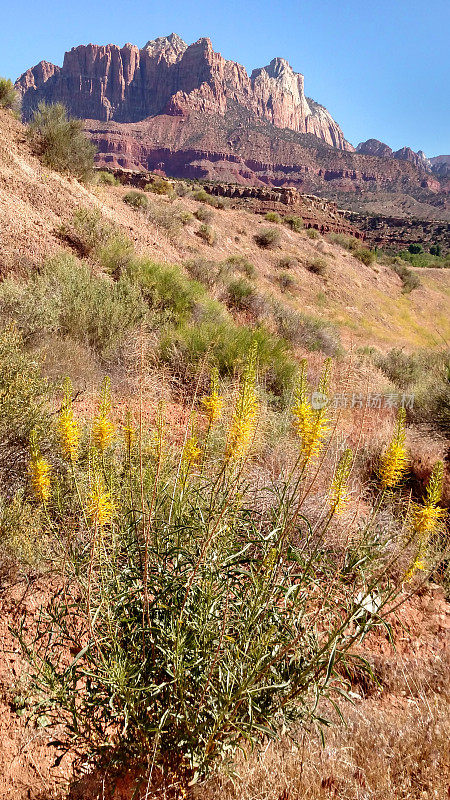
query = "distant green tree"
x=435 y=250
x=415 y=248
x=60 y=141
x=8 y=95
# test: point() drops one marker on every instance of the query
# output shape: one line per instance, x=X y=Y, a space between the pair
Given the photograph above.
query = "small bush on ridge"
x=8 y=95
x=268 y=238
x=272 y=216
x=208 y=234
x=294 y=222
x=136 y=199
x=60 y=141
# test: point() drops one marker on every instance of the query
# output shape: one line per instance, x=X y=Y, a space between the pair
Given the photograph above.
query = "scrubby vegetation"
x=60 y=141
x=106 y=178
x=201 y=613
x=272 y=216
x=136 y=199
x=294 y=222
x=268 y=238
x=8 y=95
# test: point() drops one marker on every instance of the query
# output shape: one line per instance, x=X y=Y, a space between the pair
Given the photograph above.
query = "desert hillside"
x=224 y=472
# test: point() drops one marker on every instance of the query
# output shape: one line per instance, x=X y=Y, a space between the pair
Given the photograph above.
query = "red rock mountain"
x=188 y=112
x=168 y=77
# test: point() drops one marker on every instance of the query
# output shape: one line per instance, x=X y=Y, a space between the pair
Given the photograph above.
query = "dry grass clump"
x=204 y=214
x=318 y=266
x=208 y=234
x=392 y=749
x=136 y=199
x=268 y=238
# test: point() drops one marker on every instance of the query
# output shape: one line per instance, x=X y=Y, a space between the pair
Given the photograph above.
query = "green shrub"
x=204 y=214
x=366 y=256
x=286 y=281
x=185 y=217
x=268 y=238
x=239 y=293
x=86 y=231
x=306 y=331
x=208 y=234
x=67 y=300
x=23 y=409
x=435 y=250
x=348 y=242
x=8 y=95
x=409 y=278
x=159 y=185
x=312 y=233
x=272 y=216
x=415 y=249
x=319 y=266
x=165 y=286
x=294 y=223
x=136 y=199
x=403 y=369
x=106 y=178
x=242 y=264
x=223 y=343
x=203 y=197
x=60 y=142
x=287 y=262
x=115 y=255
x=209 y=273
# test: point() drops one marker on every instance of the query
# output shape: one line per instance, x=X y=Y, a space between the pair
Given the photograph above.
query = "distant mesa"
x=169 y=77
x=186 y=111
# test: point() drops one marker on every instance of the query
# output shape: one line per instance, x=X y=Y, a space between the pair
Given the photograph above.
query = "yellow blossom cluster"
x=243 y=423
x=311 y=424
x=394 y=462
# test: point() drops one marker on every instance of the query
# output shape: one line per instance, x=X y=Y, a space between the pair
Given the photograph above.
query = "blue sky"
x=381 y=68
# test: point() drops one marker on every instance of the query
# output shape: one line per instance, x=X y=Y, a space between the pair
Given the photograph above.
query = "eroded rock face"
x=372 y=147
x=168 y=76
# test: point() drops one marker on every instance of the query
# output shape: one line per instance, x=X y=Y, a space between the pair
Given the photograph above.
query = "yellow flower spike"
x=69 y=430
x=394 y=462
x=39 y=470
x=191 y=453
x=311 y=424
x=100 y=507
x=243 y=424
x=338 y=490
x=426 y=519
x=213 y=402
x=103 y=428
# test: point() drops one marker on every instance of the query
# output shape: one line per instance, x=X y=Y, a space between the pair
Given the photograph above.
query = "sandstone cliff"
x=168 y=76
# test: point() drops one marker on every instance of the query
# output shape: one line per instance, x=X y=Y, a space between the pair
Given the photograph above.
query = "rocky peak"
x=169 y=77
x=373 y=147
x=419 y=159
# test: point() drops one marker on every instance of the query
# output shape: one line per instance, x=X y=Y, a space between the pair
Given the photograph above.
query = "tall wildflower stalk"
x=68 y=427
x=426 y=519
x=394 y=461
x=311 y=424
x=39 y=470
x=212 y=610
x=243 y=423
